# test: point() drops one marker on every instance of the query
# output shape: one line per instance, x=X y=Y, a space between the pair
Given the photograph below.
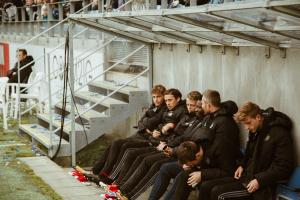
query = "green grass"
x=17 y=180
x=90 y=155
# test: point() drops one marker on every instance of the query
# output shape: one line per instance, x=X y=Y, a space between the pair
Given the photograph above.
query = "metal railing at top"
x=101 y=74
x=37 y=36
x=55 y=11
x=34 y=38
x=57 y=47
x=71 y=84
x=61 y=72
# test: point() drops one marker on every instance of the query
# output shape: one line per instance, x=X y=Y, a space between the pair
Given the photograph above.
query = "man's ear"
x=178 y=99
x=200 y=152
x=258 y=117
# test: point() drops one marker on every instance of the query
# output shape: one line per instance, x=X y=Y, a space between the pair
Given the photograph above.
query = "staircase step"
x=142 y=82
x=41 y=134
x=113 y=86
x=96 y=97
x=57 y=122
x=81 y=108
x=129 y=63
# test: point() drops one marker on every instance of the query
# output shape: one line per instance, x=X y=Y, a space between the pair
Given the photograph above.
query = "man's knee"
x=184 y=175
x=216 y=191
x=167 y=169
x=164 y=169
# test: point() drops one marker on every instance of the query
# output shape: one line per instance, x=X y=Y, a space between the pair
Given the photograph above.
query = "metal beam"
x=172 y=27
x=192 y=10
x=220 y=30
x=172 y=35
x=122 y=34
x=151 y=36
x=287 y=11
x=254 y=24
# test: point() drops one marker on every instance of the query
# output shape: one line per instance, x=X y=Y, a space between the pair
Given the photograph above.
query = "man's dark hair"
x=212 y=97
x=187 y=151
x=194 y=96
x=175 y=92
x=24 y=52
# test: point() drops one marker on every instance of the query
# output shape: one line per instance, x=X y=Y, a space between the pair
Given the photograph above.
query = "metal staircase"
x=113 y=92
x=98 y=120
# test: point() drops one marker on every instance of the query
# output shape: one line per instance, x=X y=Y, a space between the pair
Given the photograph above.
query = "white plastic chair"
x=33 y=93
x=3 y=104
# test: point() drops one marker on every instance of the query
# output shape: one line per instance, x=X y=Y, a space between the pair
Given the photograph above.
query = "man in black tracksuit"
x=175 y=110
x=269 y=157
x=142 y=172
x=218 y=135
x=149 y=122
x=24 y=60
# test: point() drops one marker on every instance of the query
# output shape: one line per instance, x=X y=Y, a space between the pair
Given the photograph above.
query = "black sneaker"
x=106 y=180
x=92 y=178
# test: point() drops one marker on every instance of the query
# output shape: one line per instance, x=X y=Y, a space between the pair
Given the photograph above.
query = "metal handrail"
x=45 y=31
x=28 y=41
x=104 y=45
x=104 y=98
x=27 y=110
x=52 y=50
x=117 y=63
x=94 y=51
x=123 y=5
x=75 y=63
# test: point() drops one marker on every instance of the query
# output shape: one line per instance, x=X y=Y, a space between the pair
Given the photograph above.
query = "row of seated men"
x=196 y=142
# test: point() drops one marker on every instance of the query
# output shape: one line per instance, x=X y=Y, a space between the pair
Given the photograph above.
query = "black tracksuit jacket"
x=219 y=137
x=24 y=73
x=269 y=155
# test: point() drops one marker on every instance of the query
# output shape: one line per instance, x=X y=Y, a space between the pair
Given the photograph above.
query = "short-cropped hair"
x=212 y=97
x=175 y=92
x=187 y=151
x=158 y=89
x=194 y=96
x=249 y=109
x=24 y=52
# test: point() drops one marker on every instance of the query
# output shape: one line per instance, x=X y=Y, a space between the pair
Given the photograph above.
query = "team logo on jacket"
x=170 y=114
x=267 y=138
x=207 y=160
x=189 y=124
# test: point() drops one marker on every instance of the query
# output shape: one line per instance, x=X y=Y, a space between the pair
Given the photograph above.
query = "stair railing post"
x=71 y=65
x=50 y=103
x=150 y=65
x=19 y=90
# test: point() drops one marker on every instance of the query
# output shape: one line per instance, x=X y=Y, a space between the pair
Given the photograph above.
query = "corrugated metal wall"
x=249 y=76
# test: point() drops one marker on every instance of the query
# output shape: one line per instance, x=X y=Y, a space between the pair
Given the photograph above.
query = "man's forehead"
x=169 y=96
x=157 y=95
x=248 y=120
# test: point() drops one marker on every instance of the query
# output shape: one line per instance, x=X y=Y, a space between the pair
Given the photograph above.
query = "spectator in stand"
x=31 y=9
x=25 y=61
x=94 y=4
x=10 y=9
x=54 y=7
x=44 y=12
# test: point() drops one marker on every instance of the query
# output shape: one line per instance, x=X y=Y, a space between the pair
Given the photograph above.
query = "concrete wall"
x=249 y=76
